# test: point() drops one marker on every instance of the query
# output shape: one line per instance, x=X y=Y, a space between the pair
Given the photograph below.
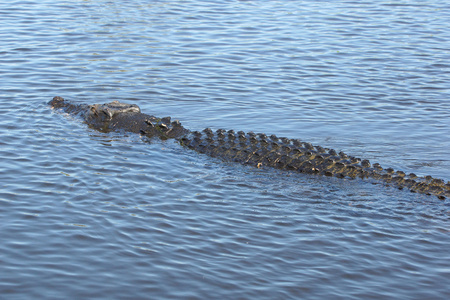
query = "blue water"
x=89 y=215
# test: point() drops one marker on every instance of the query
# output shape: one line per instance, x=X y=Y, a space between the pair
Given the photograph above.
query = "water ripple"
x=93 y=215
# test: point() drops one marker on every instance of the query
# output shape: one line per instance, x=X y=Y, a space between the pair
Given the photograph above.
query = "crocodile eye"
x=94 y=111
x=108 y=114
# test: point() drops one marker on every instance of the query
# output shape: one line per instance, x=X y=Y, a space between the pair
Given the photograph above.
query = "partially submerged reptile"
x=248 y=148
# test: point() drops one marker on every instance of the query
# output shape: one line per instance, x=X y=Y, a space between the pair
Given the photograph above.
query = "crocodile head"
x=97 y=115
x=105 y=112
x=58 y=102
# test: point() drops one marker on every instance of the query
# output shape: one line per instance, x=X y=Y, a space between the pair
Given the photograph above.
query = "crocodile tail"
x=260 y=150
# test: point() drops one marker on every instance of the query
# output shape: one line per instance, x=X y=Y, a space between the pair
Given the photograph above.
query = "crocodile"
x=255 y=149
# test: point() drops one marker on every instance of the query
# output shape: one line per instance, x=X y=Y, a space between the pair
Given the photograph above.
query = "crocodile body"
x=257 y=150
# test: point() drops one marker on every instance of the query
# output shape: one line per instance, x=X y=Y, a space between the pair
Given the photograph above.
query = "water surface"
x=110 y=216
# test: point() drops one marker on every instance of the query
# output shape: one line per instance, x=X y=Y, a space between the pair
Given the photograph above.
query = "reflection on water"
x=93 y=215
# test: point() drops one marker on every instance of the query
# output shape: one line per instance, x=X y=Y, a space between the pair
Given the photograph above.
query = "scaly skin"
x=117 y=116
x=249 y=148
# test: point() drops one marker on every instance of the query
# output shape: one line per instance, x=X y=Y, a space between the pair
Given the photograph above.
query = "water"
x=109 y=216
